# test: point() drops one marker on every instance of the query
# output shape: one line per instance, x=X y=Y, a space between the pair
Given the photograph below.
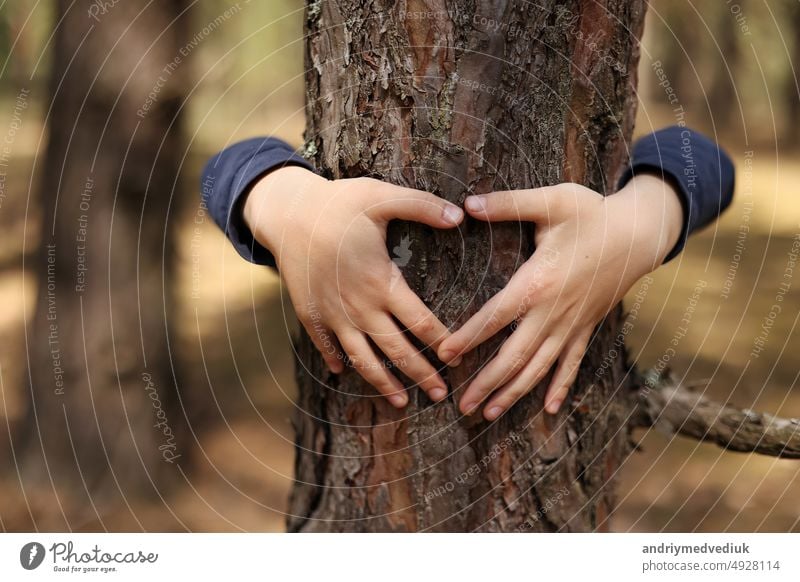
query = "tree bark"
x=103 y=421
x=458 y=97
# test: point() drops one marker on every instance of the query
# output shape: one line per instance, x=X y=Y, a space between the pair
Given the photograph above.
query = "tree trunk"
x=791 y=100
x=458 y=97
x=103 y=424
x=723 y=109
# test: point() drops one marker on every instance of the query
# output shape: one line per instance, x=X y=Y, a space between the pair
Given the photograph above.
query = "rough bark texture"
x=459 y=97
x=98 y=352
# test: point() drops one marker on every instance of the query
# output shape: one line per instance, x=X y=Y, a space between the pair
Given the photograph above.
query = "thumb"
x=534 y=205
x=419 y=206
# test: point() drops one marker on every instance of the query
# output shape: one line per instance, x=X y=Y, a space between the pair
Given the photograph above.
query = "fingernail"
x=446 y=355
x=475 y=203
x=471 y=408
x=437 y=394
x=456 y=362
x=452 y=214
x=493 y=412
x=397 y=400
x=554 y=405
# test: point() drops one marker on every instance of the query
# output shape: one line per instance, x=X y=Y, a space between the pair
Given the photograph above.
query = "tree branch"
x=667 y=405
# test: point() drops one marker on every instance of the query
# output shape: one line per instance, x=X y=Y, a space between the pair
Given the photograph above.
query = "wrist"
x=273 y=201
x=653 y=207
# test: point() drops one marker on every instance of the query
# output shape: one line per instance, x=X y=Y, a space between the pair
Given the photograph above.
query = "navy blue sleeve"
x=698 y=168
x=228 y=176
x=701 y=171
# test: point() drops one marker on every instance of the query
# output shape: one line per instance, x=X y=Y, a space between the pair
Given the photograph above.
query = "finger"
x=569 y=362
x=412 y=312
x=403 y=355
x=511 y=303
x=512 y=357
x=536 y=205
x=371 y=369
x=327 y=345
x=525 y=381
x=418 y=206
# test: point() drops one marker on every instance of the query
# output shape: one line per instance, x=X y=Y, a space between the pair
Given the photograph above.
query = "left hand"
x=590 y=250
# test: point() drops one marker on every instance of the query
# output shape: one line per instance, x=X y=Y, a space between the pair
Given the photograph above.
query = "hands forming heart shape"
x=329 y=241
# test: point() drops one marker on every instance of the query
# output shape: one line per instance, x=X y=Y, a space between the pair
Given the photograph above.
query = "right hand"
x=329 y=241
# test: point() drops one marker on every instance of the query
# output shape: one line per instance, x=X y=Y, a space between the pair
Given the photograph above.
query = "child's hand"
x=329 y=240
x=590 y=251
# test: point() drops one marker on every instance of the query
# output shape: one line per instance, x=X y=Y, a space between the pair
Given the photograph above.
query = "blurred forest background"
x=731 y=67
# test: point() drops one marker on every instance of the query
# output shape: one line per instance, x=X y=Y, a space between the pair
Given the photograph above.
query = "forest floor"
x=238 y=361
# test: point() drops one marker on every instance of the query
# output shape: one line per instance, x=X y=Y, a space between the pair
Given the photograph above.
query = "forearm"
x=281 y=199
x=229 y=176
x=654 y=214
x=699 y=170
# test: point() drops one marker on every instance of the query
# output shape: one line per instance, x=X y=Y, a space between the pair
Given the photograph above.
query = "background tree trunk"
x=722 y=106
x=459 y=97
x=791 y=99
x=102 y=370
